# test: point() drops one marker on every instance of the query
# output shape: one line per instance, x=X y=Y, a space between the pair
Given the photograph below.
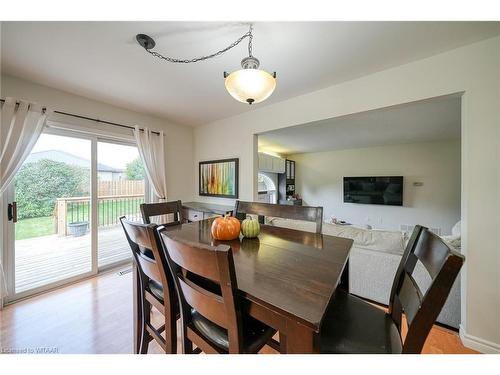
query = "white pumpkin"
x=250 y=228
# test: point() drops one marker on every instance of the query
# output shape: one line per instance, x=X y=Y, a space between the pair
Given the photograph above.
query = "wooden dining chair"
x=352 y=325
x=211 y=314
x=150 y=210
x=304 y=213
x=156 y=287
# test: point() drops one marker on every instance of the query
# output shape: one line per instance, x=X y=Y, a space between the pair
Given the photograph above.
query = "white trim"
x=94 y=211
x=15 y=297
x=71 y=281
x=9 y=234
x=477 y=343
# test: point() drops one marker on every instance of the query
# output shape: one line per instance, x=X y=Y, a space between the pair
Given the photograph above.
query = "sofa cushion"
x=306 y=226
x=454 y=241
x=377 y=240
x=371 y=273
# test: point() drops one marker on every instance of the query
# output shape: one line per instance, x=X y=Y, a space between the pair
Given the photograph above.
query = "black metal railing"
x=109 y=210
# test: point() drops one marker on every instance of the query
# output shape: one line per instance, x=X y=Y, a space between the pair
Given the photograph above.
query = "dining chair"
x=210 y=307
x=151 y=210
x=352 y=325
x=156 y=287
x=304 y=213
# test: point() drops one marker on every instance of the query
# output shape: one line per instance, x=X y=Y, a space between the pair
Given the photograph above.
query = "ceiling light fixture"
x=248 y=85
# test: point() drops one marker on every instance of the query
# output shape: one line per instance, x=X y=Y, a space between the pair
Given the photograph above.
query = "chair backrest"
x=422 y=309
x=216 y=300
x=149 y=257
x=150 y=210
x=304 y=213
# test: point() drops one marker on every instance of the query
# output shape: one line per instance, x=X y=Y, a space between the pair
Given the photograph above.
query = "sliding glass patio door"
x=70 y=193
x=121 y=187
x=51 y=236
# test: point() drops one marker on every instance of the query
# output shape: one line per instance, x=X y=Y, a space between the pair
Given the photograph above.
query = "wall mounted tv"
x=385 y=190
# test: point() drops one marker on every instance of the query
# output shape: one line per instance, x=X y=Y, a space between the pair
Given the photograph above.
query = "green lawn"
x=35 y=227
x=109 y=212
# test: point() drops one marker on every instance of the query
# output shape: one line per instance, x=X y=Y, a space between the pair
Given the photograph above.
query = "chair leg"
x=138 y=312
x=146 y=318
x=187 y=345
x=170 y=332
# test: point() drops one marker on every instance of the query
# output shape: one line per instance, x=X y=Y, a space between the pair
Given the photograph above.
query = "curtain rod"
x=91 y=119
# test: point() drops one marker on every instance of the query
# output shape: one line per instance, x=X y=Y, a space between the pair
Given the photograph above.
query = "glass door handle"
x=12 y=212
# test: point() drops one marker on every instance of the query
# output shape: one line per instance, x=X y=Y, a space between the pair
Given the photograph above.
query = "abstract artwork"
x=219 y=178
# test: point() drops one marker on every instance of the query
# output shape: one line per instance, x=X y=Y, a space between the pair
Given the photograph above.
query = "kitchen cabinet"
x=290 y=169
x=270 y=163
x=278 y=165
x=286 y=184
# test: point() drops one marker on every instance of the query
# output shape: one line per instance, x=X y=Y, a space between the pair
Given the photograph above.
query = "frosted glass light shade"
x=250 y=85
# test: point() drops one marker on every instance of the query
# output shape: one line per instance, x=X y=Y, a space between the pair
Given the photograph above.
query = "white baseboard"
x=479 y=344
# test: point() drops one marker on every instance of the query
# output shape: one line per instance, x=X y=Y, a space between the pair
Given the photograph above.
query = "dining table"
x=286 y=278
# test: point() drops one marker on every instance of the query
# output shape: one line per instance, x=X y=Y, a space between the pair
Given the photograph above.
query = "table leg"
x=283 y=349
x=300 y=339
x=344 y=279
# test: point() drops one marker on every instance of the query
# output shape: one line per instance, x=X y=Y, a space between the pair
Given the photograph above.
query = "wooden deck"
x=47 y=259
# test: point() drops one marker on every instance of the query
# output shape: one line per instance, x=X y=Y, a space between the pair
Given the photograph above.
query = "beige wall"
x=435 y=204
x=474 y=70
x=178 y=138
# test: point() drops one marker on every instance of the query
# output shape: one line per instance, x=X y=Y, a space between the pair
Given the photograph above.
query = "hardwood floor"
x=95 y=316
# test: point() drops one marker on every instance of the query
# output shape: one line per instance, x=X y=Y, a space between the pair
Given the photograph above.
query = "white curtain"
x=20 y=126
x=152 y=150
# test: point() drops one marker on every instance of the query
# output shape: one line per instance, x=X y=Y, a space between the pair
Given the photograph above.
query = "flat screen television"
x=385 y=190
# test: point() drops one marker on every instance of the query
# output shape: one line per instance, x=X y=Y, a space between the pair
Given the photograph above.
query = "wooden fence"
x=121 y=187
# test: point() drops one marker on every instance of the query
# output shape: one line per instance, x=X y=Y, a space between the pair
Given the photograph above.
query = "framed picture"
x=219 y=178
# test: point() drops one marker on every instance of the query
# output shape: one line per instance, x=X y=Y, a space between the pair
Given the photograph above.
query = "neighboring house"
x=104 y=172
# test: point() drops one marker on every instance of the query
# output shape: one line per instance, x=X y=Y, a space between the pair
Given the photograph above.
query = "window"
x=267 y=188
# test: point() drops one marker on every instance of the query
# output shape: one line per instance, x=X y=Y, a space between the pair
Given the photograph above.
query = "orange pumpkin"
x=226 y=228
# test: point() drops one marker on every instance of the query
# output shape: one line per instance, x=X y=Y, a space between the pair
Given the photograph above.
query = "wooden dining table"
x=286 y=278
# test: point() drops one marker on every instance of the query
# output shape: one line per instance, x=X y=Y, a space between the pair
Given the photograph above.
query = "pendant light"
x=247 y=85
x=250 y=84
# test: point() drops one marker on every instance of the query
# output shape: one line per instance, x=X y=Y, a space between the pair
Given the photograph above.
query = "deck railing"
x=109 y=209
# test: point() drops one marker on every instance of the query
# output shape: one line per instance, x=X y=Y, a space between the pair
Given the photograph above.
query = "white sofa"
x=373 y=262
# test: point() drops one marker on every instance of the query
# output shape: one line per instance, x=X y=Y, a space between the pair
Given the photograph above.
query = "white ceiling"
x=101 y=60
x=423 y=121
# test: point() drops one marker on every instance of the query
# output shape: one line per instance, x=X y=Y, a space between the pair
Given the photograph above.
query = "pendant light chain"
x=218 y=53
x=250 y=38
